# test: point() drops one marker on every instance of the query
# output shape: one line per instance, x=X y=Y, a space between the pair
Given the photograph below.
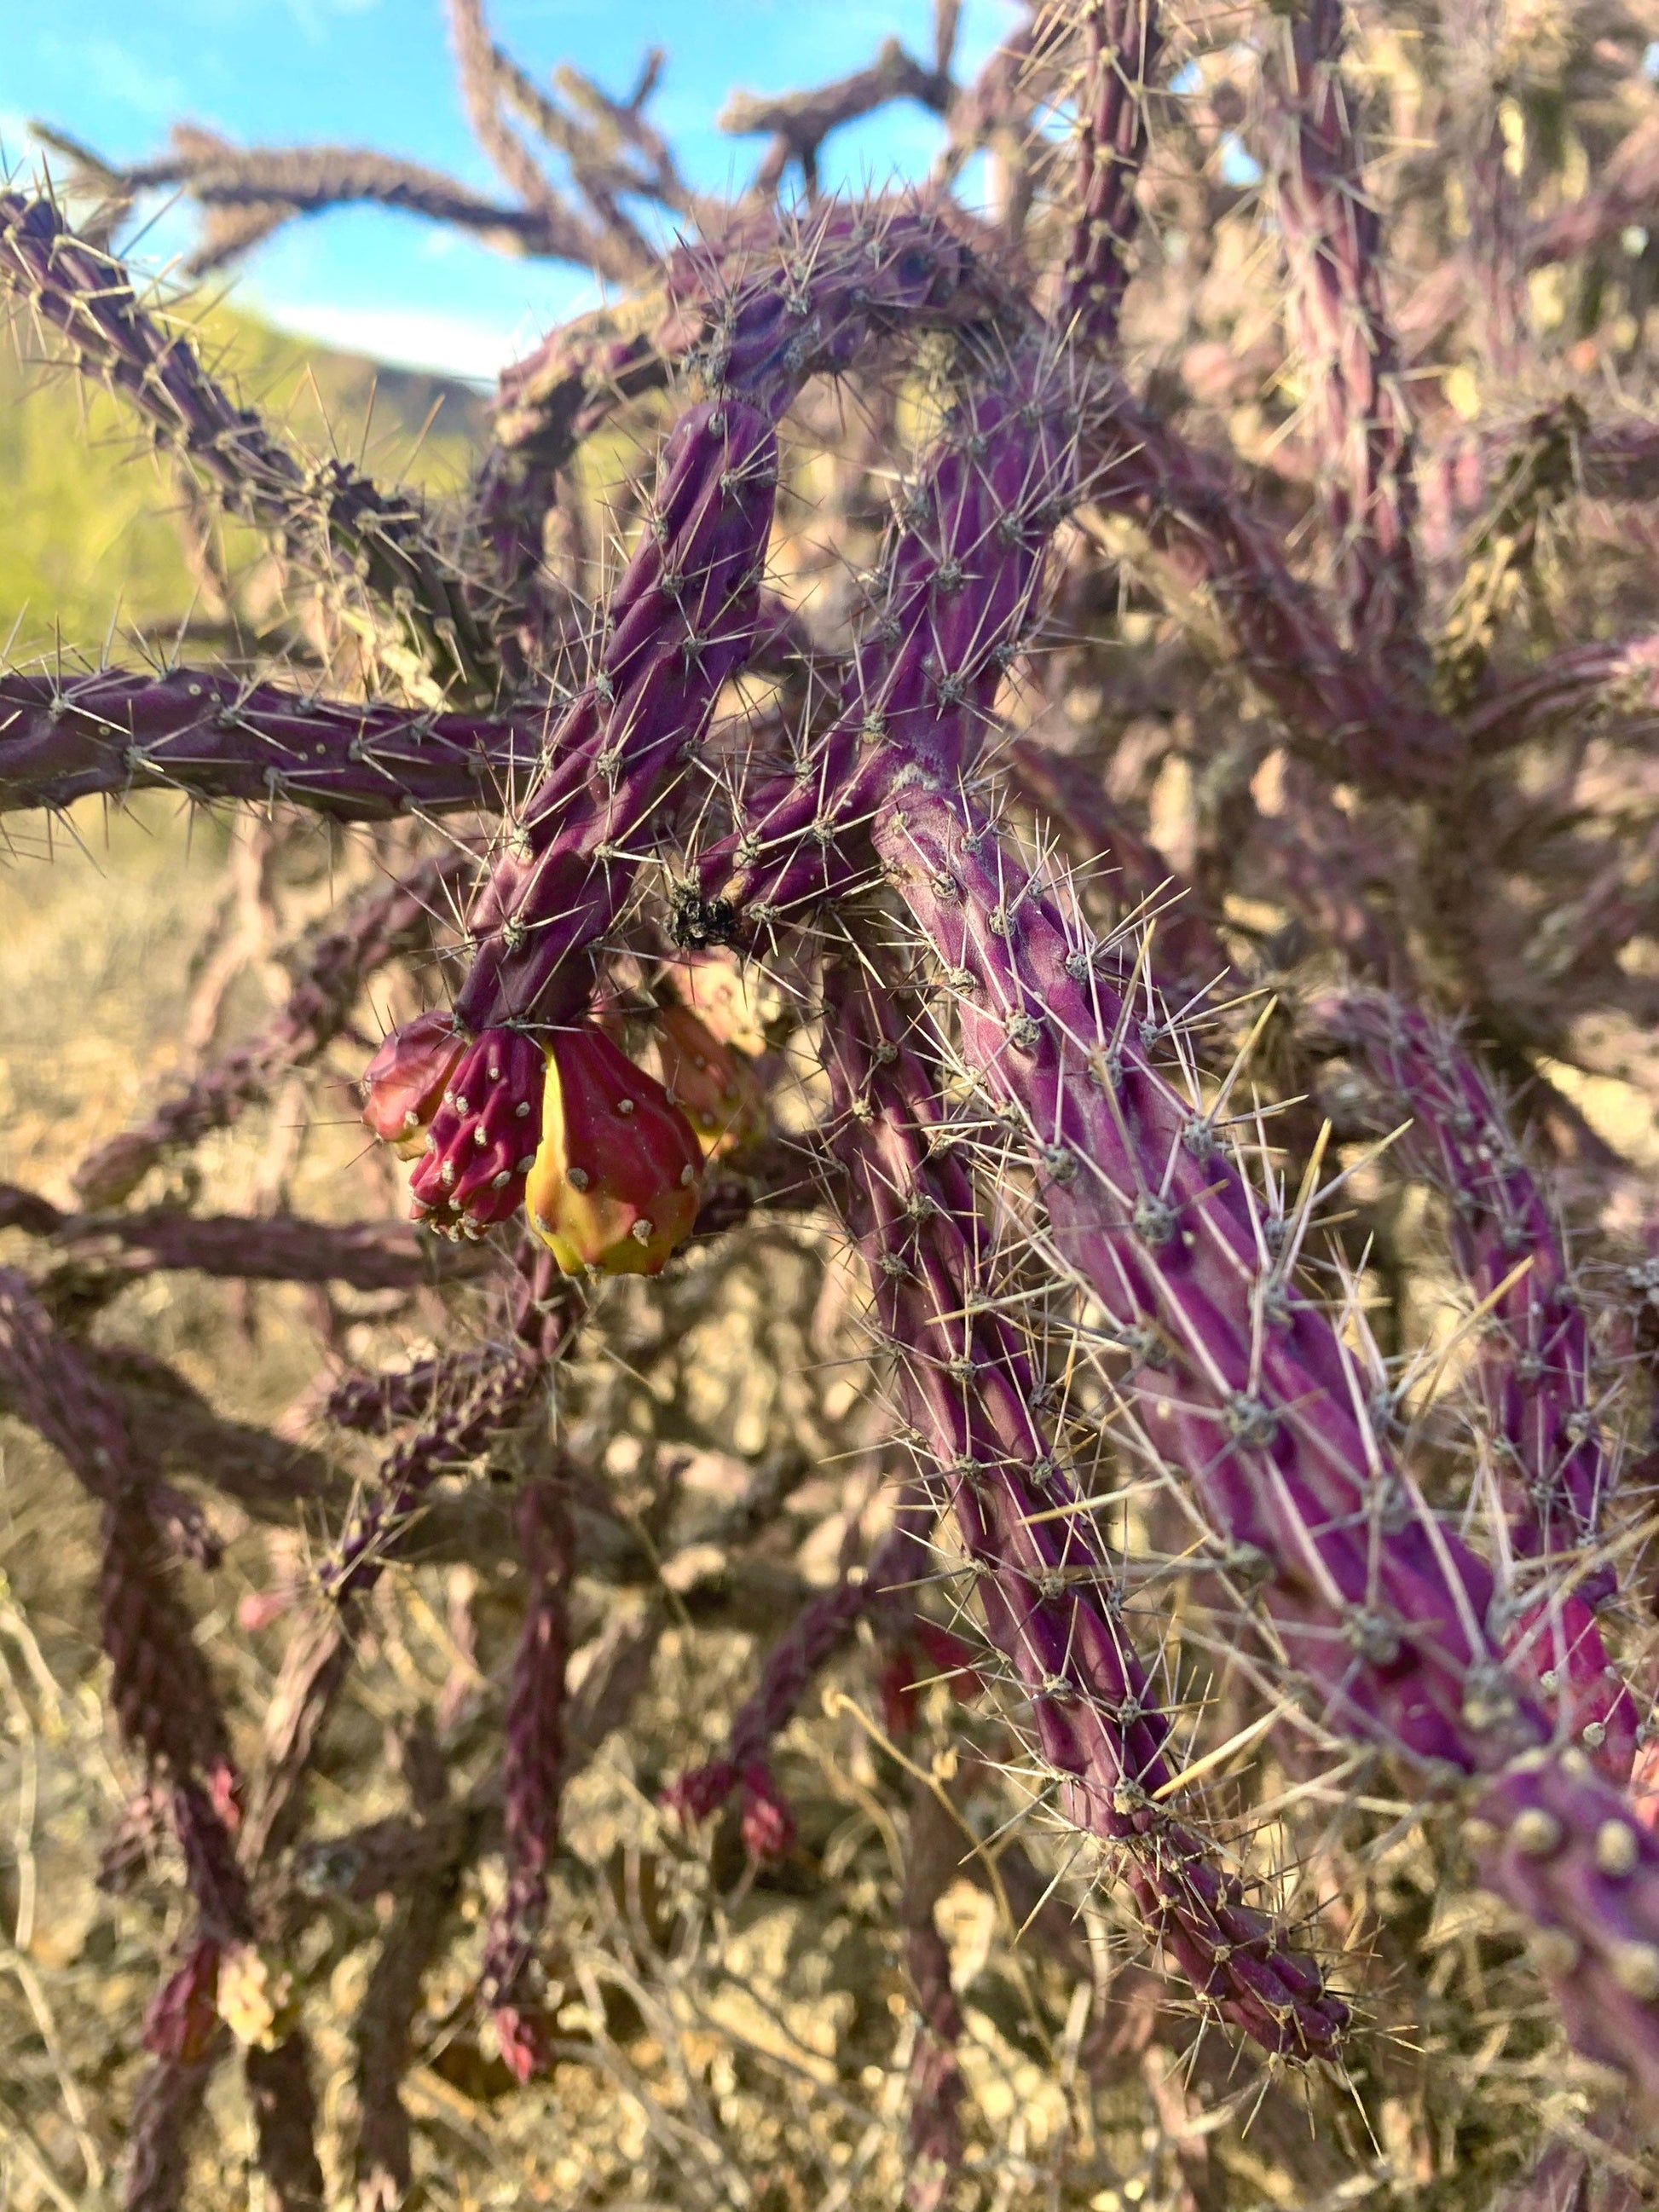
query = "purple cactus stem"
x=1361 y=431
x=447 y=1439
x=679 y=624
x=779 y=308
x=1235 y=1377
x=166 y=2106
x=1049 y=1597
x=761 y=306
x=531 y=1776
x=284 y=2106
x=183 y=2019
x=371 y=1404
x=951 y=604
x=682 y=620
x=1535 y=1368
x=1122 y=43
x=210 y=736
x=1346 y=714
x=933 y=1854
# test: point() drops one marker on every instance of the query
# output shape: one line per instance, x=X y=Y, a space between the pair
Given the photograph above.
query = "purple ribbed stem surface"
x=1244 y=1385
x=1051 y=1603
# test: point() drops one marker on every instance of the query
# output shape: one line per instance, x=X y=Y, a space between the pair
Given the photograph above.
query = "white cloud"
x=406 y=337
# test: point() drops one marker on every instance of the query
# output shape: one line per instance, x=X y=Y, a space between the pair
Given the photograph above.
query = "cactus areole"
x=618 y=1175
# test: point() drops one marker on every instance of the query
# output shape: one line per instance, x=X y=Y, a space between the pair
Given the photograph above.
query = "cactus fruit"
x=617 y=1177
x=713 y=1085
x=405 y=1083
x=481 y=1141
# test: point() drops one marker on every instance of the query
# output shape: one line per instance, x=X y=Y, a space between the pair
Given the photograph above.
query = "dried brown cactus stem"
x=87 y=299
x=1122 y=41
x=1356 y=407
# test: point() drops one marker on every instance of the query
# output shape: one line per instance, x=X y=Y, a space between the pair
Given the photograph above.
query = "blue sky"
x=378 y=73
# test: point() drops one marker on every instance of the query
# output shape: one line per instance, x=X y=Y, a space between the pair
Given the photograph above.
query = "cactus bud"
x=404 y=1083
x=721 y=993
x=522 y=2037
x=483 y=1138
x=617 y=1183
x=713 y=1087
x=768 y=1826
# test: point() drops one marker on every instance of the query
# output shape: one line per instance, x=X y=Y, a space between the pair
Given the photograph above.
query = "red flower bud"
x=617 y=1183
x=183 y=2015
x=404 y=1083
x=714 y=1087
x=483 y=1138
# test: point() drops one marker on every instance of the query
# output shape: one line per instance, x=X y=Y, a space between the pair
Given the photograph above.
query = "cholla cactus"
x=1215 y=1269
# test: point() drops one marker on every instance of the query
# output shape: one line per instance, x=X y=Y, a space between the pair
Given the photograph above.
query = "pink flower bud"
x=714 y=1087
x=522 y=2035
x=483 y=1137
x=402 y=1085
x=617 y=1183
x=768 y=1826
x=180 y=2023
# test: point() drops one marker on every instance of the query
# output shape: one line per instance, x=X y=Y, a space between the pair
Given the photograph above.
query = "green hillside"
x=90 y=542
